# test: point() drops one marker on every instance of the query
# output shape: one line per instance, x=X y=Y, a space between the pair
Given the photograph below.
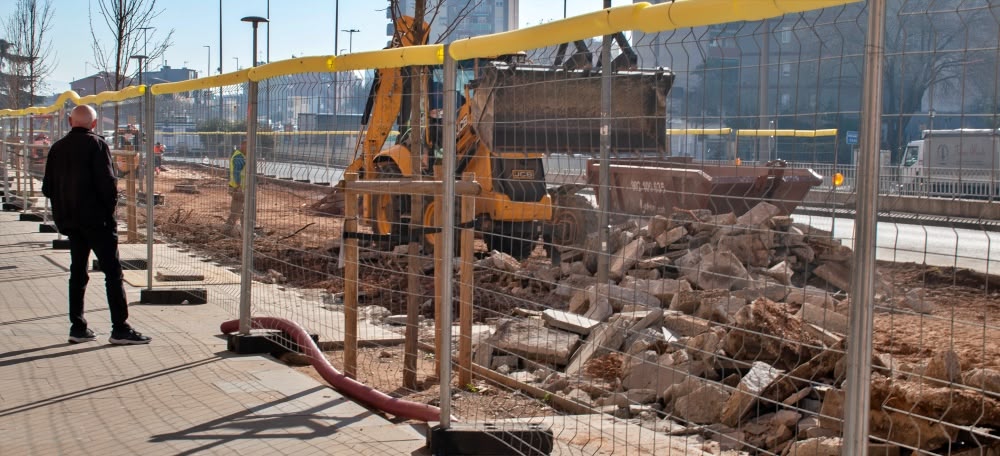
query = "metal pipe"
x=604 y=174
x=149 y=117
x=447 y=229
x=857 y=404
x=250 y=193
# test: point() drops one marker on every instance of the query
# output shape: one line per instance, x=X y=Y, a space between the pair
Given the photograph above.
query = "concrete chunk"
x=835 y=274
x=606 y=337
x=684 y=325
x=568 y=321
x=758 y=214
x=761 y=375
x=666 y=238
x=535 y=342
x=823 y=318
x=624 y=259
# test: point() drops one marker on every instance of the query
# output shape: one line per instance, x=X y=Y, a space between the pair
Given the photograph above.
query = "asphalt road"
x=940 y=246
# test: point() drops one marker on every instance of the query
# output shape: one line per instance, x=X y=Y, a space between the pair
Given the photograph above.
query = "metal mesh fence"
x=652 y=252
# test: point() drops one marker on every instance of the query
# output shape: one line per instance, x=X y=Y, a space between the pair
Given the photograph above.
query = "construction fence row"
x=646 y=247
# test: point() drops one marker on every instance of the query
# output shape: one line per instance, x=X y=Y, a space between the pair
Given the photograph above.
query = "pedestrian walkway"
x=181 y=394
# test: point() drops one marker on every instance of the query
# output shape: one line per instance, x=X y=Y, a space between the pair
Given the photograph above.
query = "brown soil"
x=300 y=245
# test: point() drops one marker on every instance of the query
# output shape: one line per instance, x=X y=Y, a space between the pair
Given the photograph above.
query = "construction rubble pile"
x=728 y=329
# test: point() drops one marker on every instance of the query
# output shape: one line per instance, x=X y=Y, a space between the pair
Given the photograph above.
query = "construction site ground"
x=299 y=247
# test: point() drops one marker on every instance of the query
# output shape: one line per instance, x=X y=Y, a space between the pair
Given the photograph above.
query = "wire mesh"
x=709 y=314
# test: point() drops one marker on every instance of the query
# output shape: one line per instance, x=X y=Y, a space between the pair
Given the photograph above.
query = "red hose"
x=348 y=386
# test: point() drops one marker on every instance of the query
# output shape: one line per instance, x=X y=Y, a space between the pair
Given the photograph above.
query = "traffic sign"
x=852 y=137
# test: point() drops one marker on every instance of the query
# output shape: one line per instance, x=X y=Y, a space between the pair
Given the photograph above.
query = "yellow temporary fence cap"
x=699 y=131
x=696 y=13
x=603 y=22
x=235 y=77
x=429 y=54
x=316 y=64
x=795 y=133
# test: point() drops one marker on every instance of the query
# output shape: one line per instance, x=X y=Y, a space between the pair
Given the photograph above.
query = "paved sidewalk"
x=182 y=394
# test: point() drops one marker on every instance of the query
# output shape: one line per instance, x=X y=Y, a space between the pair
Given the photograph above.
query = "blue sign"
x=852 y=137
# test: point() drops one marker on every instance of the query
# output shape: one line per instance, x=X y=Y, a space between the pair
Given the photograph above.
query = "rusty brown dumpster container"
x=647 y=188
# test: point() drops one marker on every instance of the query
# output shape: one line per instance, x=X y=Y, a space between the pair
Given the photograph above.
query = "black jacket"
x=80 y=181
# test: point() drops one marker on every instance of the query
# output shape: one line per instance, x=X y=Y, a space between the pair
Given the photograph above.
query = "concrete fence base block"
x=47 y=228
x=491 y=439
x=174 y=296
x=60 y=244
x=31 y=217
x=263 y=341
x=128 y=264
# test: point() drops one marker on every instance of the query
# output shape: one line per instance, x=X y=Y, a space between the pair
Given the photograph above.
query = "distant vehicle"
x=961 y=163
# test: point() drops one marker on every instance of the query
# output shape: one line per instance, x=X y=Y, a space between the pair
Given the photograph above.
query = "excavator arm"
x=385 y=100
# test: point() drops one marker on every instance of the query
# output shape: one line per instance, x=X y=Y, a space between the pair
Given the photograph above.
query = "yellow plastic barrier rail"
x=69 y=95
x=795 y=133
x=317 y=64
x=697 y=13
x=640 y=16
x=233 y=78
x=699 y=131
x=430 y=54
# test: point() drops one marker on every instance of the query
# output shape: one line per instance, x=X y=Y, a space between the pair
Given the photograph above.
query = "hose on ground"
x=348 y=386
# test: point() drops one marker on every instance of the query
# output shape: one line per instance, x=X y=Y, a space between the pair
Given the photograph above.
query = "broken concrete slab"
x=758 y=214
x=535 y=342
x=624 y=259
x=719 y=271
x=943 y=368
x=760 y=376
x=606 y=337
x=916 y=300
x=982 y=378
x=701 y=406
x=826 y=319
x=684 y=325
x=569 y=321
x=671 y=236
x=663 y=289
x=836 y=274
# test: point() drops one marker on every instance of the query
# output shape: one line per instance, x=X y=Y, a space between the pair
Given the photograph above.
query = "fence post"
x=857 y=405
x=466 y=287
x=350 y=255
x=249 y=210
x=447 y=231
x=150 y=117
x=604 y=172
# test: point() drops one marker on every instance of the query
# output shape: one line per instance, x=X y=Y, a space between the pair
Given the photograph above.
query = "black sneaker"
x=132 y=337
x=84 y=336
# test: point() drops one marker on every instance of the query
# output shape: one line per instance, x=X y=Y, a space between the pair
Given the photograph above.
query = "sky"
x=298 y=28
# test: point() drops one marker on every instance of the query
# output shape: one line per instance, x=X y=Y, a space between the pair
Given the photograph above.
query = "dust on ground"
x=301 y=246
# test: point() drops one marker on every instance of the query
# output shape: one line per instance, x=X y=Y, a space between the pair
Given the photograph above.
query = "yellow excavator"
x=510 y=115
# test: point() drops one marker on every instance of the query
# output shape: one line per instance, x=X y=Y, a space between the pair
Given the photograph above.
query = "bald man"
x=80 y=182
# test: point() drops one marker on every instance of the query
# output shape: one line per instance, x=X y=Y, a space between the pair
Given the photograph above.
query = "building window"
x=786 y=100
x=785 y=35
x=786 y=69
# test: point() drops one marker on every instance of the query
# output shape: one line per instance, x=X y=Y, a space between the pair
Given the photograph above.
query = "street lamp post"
x=237 y=59
x=350 y=39
x=145 y=43
x=250 y=192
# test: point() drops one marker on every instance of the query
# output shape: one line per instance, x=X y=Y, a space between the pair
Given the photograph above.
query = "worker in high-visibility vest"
x=237 y=180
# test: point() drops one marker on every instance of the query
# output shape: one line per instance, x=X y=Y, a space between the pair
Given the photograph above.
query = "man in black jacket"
x=80 y=182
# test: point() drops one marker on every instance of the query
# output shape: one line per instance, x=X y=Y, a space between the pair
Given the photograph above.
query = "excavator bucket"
x=545 y=109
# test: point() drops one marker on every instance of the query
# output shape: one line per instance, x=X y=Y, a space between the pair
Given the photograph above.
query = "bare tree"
x=126 y=21
x=26 y=53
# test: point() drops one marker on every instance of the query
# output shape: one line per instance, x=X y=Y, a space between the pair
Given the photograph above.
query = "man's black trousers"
x=104 y=242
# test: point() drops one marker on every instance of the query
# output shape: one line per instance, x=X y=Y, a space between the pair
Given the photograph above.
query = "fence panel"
x=652 y=259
